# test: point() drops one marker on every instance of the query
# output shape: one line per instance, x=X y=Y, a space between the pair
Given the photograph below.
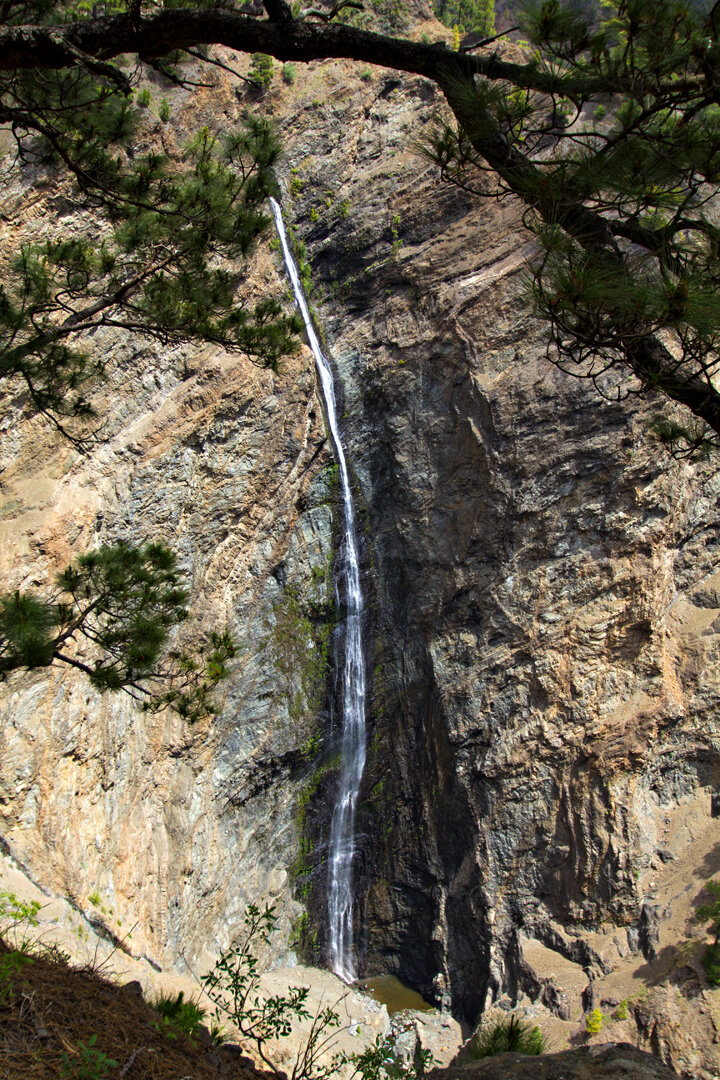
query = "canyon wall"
x=544 y=638
x=542 y=625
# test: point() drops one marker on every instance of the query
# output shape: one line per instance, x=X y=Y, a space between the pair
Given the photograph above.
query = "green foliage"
x=711 y=963
x=162 y=251
x=382 y=1062
x=710 y=910
x=164 y=110
x=683 y=440
x=302 y=866
x=261 y=71
x=88 y=1063
x=180 y=1017
x=304 y=937
x=620 y=202
x=27 y=627
x=621 y=1013
x=467 y=16
x=612 y=141
x=123 y=602
x=594 y=1021
x=296 y=638
x=289 y=74
x=233 y=986
x=506 y=1035
x=14 y=911
x=396 y=241
x=12 y=963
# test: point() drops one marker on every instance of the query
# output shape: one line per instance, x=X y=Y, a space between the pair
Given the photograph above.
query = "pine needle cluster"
x=113 y=615
x=610 y=134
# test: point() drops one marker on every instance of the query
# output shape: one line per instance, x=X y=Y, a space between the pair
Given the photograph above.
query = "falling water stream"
x=342 y=829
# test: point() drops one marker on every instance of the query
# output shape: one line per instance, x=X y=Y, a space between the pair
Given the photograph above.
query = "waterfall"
x=342 y=830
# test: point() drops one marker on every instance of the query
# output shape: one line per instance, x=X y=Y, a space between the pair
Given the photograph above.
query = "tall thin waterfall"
x=342 y=829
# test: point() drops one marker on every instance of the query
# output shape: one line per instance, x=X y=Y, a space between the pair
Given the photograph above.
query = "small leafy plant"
x=88 y=1064
x=14 y=911
x=381 y=1061
x=502 y=1036
x=233 y=986
x=594 y=1021
x=15 y=917
x=179 y=1017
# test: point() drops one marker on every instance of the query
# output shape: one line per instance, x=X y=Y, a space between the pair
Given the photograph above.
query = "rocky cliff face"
x=543 y=633
x=543 y=617
x=171 y=829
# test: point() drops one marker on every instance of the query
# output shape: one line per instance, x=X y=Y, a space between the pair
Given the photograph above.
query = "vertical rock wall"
x=161 y=831
x=542 y=628
x=544 y=642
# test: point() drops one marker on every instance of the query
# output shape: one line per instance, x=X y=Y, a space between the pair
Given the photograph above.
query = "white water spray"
x=342 y=829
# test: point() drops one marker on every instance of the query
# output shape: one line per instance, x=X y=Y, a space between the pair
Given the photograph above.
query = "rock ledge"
x=608 y=1061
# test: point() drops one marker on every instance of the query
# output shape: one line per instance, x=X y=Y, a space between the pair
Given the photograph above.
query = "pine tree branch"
x=101 y=39
x=278 y=10
x=128 y=687
x=37 y=48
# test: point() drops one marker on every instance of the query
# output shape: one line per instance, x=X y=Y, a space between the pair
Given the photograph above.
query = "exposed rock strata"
x=544 y=616
x=545 y=656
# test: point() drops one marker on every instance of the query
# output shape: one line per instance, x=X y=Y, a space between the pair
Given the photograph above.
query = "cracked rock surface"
x=543 y=612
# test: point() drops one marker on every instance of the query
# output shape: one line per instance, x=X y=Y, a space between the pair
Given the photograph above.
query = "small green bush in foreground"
x=180 y=1016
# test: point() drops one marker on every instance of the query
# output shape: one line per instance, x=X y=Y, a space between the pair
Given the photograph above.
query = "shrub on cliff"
x=711 y=963
x=468 y=15
x=261 y=71
x=179 y=1017
x=594 y=1022
x=506 y=1035
x=710 y=910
